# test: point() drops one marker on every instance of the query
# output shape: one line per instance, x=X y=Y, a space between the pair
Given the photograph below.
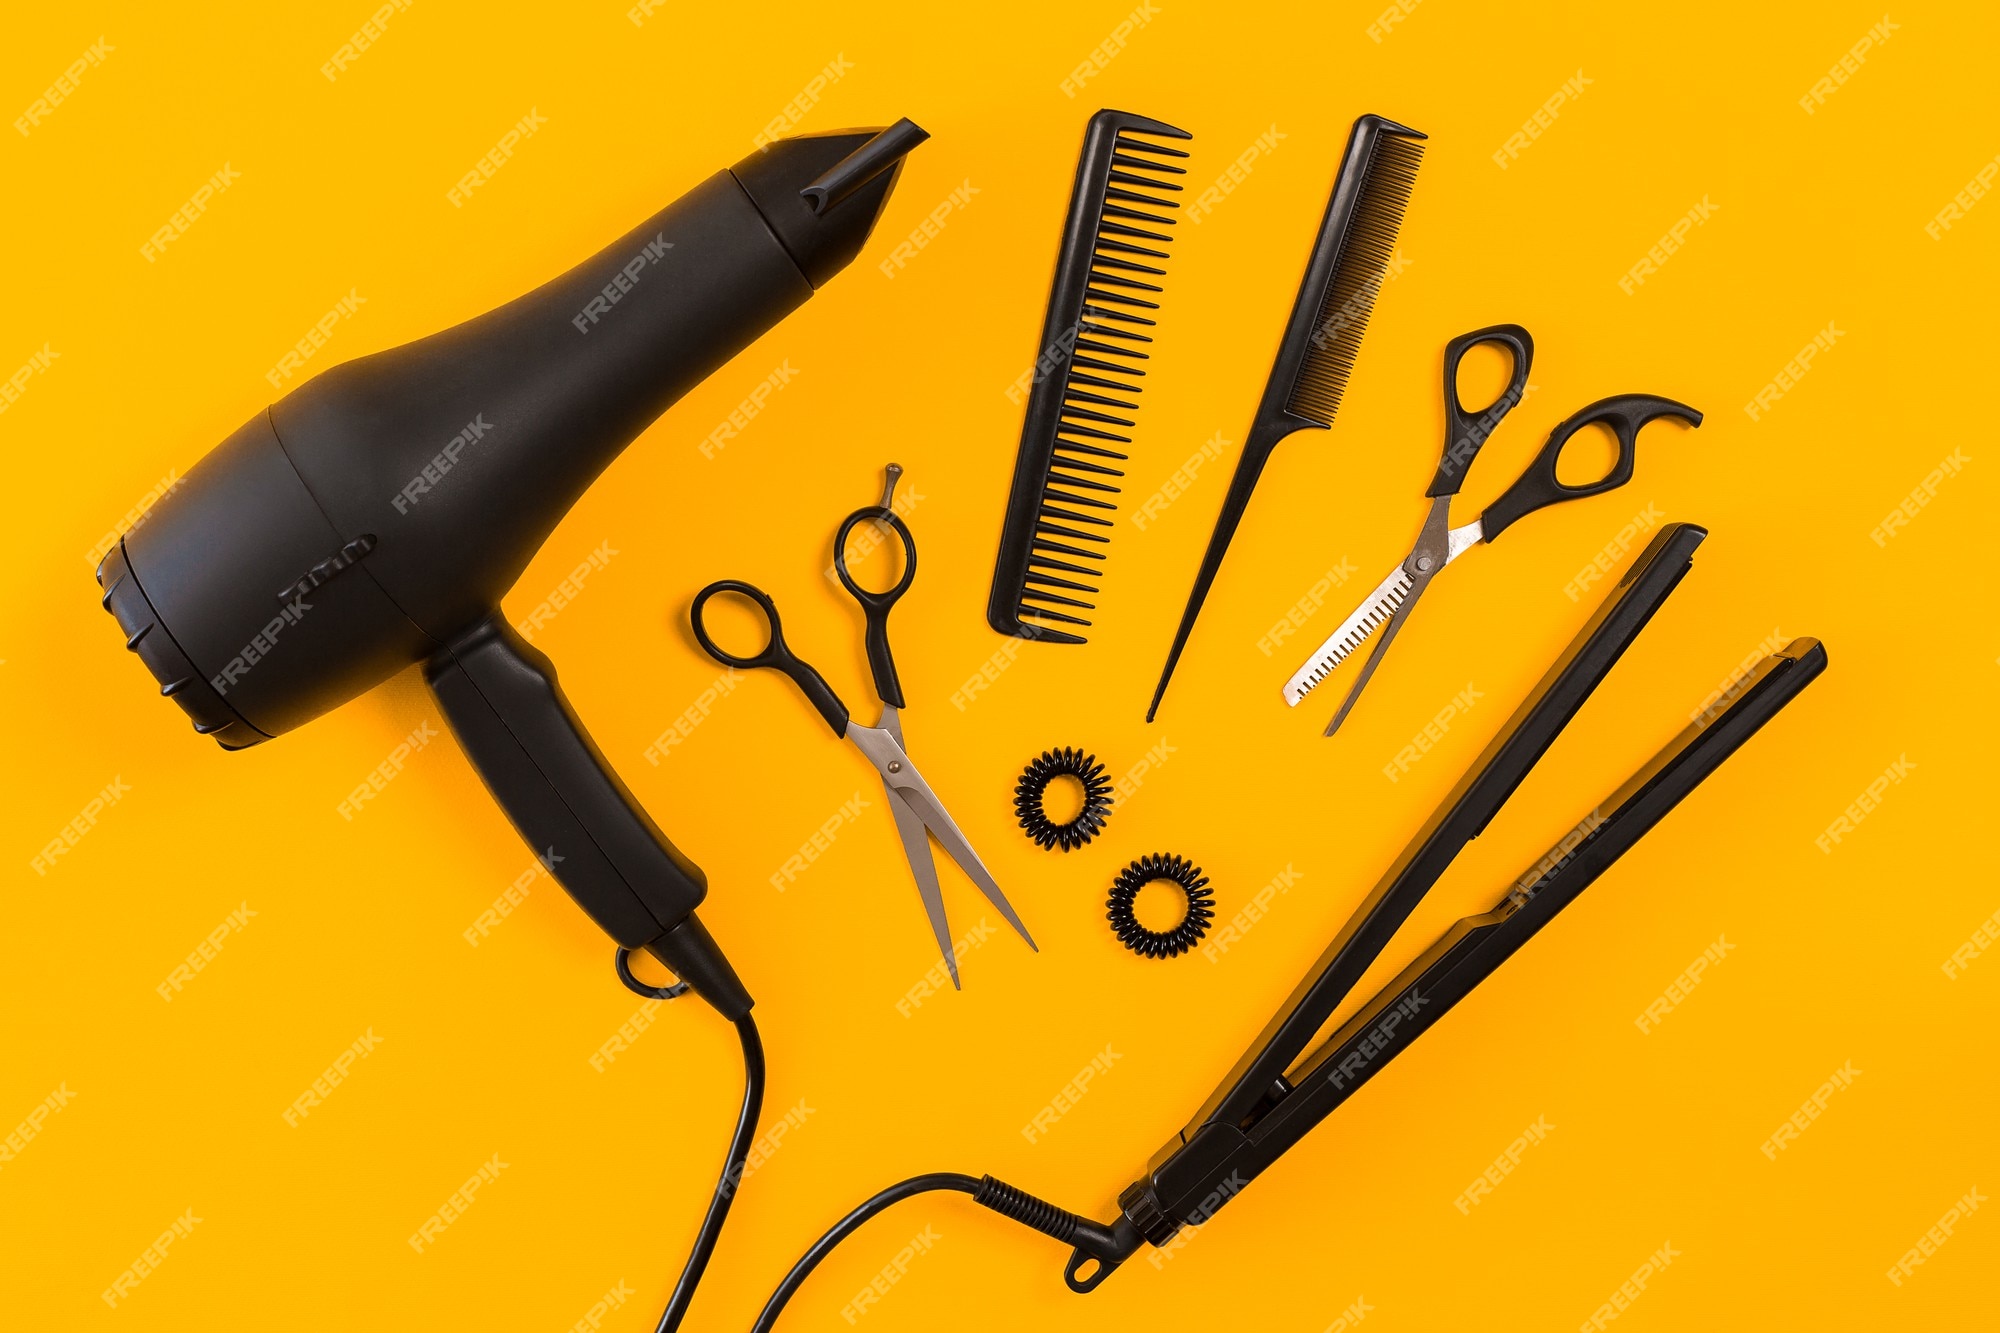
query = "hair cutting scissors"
x=1439 y=543
x=919 y=814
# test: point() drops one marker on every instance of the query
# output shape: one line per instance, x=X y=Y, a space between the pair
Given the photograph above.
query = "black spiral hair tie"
x=1155 y=943
x=1089 y=821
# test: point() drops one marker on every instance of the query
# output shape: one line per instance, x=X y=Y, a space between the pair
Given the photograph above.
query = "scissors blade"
x=1375 y=658
x=1432 y=553
x=924 y=802
x=1352 y=633
x=917 y=850
x=901 y=777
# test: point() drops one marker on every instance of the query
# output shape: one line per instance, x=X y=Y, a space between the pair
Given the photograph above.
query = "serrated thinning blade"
x=1370 y=616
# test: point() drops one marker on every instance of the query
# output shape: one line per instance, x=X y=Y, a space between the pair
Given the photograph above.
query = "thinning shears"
x=1439 y=543
x=919 y=814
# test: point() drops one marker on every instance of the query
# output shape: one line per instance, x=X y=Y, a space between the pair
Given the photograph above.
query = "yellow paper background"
x=1838 y=957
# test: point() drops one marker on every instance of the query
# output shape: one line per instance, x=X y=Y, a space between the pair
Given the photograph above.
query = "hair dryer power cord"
x=1098 y=1248
x=732 y=1176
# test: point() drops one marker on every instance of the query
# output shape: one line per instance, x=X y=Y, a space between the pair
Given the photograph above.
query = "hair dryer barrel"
x=382 y=508
x=462 y=451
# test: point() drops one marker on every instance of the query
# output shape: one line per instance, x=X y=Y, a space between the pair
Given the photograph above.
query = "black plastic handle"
x=776 y=653
x=502 y=700
x=1464 y=430
x=1538 y=488
x=876 y=605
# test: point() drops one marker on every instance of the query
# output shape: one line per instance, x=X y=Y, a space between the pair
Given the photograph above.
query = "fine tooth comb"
x=1083 y=376
x=1356 y=241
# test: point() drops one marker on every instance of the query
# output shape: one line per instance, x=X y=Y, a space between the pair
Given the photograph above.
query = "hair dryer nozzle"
x=864 y=164
x=822 y=193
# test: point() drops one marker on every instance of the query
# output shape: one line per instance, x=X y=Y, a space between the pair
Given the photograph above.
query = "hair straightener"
x=1278 y=1091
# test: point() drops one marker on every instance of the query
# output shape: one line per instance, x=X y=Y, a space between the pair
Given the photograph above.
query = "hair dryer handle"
x=501 y=699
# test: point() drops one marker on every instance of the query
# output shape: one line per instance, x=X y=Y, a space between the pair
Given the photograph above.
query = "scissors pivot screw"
x=895 y=765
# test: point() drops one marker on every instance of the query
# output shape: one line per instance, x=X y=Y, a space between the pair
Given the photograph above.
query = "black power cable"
x=1098 y=1248
x=1104 y=1248
x=732 y=1176
x=847 y=1226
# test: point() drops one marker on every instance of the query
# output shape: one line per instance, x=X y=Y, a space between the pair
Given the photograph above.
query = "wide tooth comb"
x=1099 y=313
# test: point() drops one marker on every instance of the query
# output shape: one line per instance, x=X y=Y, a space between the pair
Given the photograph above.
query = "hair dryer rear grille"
x=179 y=681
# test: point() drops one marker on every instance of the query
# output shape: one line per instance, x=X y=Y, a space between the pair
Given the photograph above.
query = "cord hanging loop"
x=622 y=960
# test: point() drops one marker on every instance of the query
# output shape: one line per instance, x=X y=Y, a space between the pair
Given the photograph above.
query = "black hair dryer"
x=374 y=516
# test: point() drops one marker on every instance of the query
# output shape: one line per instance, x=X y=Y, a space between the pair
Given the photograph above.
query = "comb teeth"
x=1365 y=254
x=1132 y=200
x=1099 y=325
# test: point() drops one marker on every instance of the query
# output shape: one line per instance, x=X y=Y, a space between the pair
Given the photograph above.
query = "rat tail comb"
x=1350 y=261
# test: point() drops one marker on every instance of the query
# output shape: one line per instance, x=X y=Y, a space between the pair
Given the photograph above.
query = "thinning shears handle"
x=776 y=653
x=1464 y=429
x=876 y=605
x=1538 y=487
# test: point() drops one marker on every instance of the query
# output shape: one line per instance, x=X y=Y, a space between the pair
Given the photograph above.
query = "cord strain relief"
x=1057 y=1223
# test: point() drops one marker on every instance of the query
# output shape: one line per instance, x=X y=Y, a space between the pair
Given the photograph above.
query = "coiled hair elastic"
x=1161 y=943
x=1034 y=784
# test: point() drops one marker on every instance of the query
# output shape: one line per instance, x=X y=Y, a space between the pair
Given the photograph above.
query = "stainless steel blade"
x=1353 y=632
x=917 y=851
x=903 y=780
x=924 y=802
x=1375 y=658
x=1432 y=553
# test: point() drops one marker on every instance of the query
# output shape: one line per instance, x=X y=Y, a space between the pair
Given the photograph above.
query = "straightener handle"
x=1464 y=429
x=1538 y=487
